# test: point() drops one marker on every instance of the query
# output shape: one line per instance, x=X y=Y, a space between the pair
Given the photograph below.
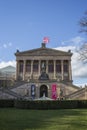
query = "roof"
x=7 y=72
x=43 y=51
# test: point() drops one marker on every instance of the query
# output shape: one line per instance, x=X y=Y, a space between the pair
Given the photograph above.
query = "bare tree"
x=83 y=52
x=83 y=23
x=83 y=49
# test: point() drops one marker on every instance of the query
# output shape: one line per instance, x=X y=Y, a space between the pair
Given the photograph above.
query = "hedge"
x=45 y=104
x=58 y=104
x=6 y=103
x=82 y=103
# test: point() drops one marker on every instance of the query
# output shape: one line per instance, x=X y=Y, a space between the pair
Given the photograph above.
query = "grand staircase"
x=77 y=94
x=12 y=93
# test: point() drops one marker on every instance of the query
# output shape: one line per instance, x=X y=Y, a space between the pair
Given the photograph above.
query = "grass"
x=65 y=119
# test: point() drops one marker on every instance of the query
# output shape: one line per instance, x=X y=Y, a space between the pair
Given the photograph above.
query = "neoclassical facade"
x=46 y=70
x=57 y=64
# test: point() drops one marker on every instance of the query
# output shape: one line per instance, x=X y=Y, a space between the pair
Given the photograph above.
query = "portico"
x=57 y=64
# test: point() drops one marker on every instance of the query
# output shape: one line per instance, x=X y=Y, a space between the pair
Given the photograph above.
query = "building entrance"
x=43 y=91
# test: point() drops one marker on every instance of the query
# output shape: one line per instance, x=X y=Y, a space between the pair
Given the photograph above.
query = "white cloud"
x=4 y=64
x=9 y=44
x=4 y=45
x=66 y=48
x=76 y=41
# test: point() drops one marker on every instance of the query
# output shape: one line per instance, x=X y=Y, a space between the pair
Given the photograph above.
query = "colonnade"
x=47 y=71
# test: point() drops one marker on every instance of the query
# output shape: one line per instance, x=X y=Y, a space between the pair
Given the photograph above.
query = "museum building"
x=46 y=70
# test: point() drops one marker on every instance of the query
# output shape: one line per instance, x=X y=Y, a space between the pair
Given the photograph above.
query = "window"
x=65 y=66
x=35 y=66
x=58 y=66
x=21 y=66
x=28 y=66
x=50 y=66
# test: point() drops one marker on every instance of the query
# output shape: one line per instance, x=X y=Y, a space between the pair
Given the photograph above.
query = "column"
x=85 y=92
x=32 y=69
x=62 y=71
x=70 y=71
x=47 y=66
x=24 y=69
x=17 y=69
x=39 y=66
x=54 y=69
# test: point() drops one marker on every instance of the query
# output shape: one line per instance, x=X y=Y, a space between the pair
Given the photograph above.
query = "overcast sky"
x=24 y=23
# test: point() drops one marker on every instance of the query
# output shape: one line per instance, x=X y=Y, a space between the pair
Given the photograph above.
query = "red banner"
x=54 y=91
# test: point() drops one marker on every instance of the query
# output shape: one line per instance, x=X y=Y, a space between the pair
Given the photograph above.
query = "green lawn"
x=65 y=119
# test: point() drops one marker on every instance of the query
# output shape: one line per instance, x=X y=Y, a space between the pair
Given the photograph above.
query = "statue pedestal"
x=44 y=76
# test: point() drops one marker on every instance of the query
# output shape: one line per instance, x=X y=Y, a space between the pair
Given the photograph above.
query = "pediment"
x=43 y=52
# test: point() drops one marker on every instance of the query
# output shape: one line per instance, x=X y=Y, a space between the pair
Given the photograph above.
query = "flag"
x=45 y=40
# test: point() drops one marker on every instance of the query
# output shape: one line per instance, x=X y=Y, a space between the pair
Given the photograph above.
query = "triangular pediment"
x=43 y=52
